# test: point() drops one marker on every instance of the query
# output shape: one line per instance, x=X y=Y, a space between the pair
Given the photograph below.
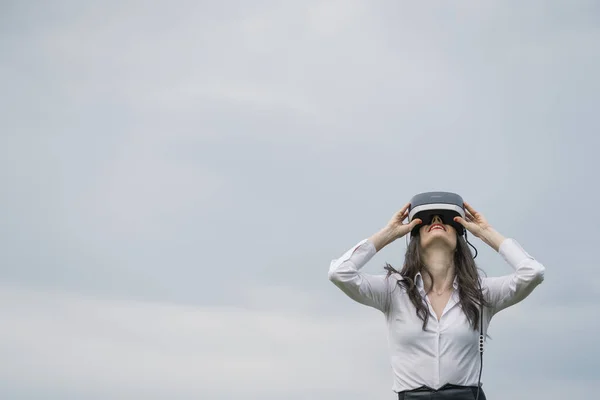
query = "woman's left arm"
x=507 y=290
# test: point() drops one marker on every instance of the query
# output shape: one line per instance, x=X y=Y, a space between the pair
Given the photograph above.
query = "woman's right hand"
x=395 y=229
x=396 y=225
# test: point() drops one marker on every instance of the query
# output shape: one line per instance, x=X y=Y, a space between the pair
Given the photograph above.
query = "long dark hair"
x=466 y=270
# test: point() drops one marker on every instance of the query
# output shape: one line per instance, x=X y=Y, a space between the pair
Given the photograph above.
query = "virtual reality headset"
x=444 y=204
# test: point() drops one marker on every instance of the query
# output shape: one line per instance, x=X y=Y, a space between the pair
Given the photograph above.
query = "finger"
x=461 y=221
x=400 y=213
x=414 y=223
x=404 y=216
x=469 y=208
x=405 y=208
x=469 y=215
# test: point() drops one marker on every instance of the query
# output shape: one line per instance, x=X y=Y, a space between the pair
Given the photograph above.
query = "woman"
x=432 y=306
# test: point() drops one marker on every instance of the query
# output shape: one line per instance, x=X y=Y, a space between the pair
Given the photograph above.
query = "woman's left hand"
x=475 y=221
x=477 y=224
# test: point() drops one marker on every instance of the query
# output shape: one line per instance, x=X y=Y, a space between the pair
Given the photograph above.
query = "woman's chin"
x=439 y=241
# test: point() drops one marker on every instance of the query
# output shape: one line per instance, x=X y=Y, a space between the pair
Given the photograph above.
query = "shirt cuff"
x=513 y=253
x=360 y=254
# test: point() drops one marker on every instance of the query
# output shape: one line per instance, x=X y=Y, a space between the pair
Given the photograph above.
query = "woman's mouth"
x=436 y=226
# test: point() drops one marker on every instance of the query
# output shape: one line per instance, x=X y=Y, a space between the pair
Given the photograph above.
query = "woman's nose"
x=437 y=220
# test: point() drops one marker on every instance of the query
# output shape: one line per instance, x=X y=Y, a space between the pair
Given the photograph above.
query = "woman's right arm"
x=367 y=289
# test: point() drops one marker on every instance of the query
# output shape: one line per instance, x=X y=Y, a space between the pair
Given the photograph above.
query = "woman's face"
x=438 y=232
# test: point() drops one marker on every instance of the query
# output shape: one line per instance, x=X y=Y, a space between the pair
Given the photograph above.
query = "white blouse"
x=448 y=351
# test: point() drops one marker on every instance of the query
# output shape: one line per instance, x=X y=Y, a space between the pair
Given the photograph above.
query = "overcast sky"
x=177 y=176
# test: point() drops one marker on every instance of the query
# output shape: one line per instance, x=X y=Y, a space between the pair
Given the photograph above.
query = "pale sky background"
x=177 y=176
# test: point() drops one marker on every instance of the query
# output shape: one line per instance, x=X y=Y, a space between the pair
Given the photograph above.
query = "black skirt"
x=446 y=392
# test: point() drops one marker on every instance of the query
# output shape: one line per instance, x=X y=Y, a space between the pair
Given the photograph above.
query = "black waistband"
x=446 y=387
